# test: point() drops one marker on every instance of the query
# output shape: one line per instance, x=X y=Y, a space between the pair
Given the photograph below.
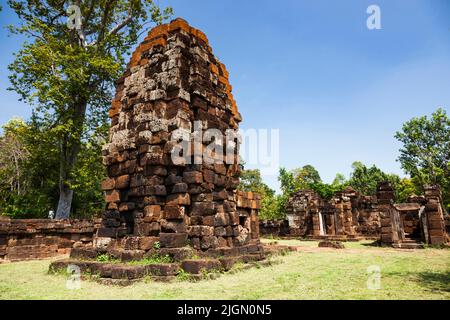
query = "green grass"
x=154 y=259
x=308 y=274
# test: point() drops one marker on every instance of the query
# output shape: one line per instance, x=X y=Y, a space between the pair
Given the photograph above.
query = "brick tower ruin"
x=174 y=89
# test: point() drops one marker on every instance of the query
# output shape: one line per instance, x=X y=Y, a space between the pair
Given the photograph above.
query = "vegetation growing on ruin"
x=153 y=259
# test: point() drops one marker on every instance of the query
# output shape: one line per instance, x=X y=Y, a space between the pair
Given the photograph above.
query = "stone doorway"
x=327 y=223
x=410 y=221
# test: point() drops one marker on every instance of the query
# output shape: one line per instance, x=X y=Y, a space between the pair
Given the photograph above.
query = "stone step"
x=408 y=245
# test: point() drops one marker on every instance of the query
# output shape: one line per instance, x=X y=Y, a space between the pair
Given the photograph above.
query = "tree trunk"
x=67 y=161
x=70 y=147
x=64 y=203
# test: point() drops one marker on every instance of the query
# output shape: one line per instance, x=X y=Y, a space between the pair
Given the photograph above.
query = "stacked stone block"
x=300 y=211
x=391 y=231
x=173 y=90
x=435 y=215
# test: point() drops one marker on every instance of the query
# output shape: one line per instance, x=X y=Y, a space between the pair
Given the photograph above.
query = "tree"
x=406 y=188
x=251 y=180
x=306 y=176
x=13 y=154
x=29 y=172
x=339 y=180
x=425 y=153
x=68 y=68
x=327 y=191
x=33 y=175
x=287 y=181
x=365 y=179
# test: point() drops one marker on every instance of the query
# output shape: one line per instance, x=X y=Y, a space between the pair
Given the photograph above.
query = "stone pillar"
x=391 y=231
x=435 y=215
x=349 y=229
x=340 y=219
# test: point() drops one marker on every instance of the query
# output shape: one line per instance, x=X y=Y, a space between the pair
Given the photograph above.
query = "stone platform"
x=125 y=267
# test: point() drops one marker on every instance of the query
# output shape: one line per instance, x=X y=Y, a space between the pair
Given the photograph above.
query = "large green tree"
x=425 y=153
x=75 y=52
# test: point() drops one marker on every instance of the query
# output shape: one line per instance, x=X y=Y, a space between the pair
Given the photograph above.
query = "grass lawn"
x=311 y=273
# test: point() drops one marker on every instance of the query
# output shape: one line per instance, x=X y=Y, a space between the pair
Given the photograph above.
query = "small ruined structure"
x=173 y=157
x=349 y=215
x=310 y=215
x=419 y=221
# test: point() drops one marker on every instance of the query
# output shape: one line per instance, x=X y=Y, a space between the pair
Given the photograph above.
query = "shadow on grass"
x=376 y=243
x=434 y=281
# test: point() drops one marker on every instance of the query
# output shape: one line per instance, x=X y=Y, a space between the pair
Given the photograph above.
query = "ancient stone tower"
x=173 y=90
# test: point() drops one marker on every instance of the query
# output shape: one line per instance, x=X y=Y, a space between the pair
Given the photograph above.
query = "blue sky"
x=336 y=90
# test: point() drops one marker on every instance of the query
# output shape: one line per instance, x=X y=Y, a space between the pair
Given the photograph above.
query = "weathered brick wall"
x=276 y=228
x=301 y=208
x=248 y=205
x=26 y=239
x=366 y=216
x=346 y=214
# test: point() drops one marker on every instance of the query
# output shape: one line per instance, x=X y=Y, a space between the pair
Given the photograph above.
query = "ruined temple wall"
x=300 y=210
x=366 y=216
x=274 y=228
x=346 y=214
x=447 y=226
x=26 y=239
x=248 y=205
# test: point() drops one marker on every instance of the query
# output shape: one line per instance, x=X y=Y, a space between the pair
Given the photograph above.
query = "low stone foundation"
x=28 y=239
x=124 y=267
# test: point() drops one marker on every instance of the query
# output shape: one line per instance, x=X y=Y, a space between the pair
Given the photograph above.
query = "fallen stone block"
x=167 y=269
x=331 y=244
x=83 y=253
x=128 y=272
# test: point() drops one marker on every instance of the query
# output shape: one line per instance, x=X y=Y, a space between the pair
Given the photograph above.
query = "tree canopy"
x=425 y=154
x=68 y=66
